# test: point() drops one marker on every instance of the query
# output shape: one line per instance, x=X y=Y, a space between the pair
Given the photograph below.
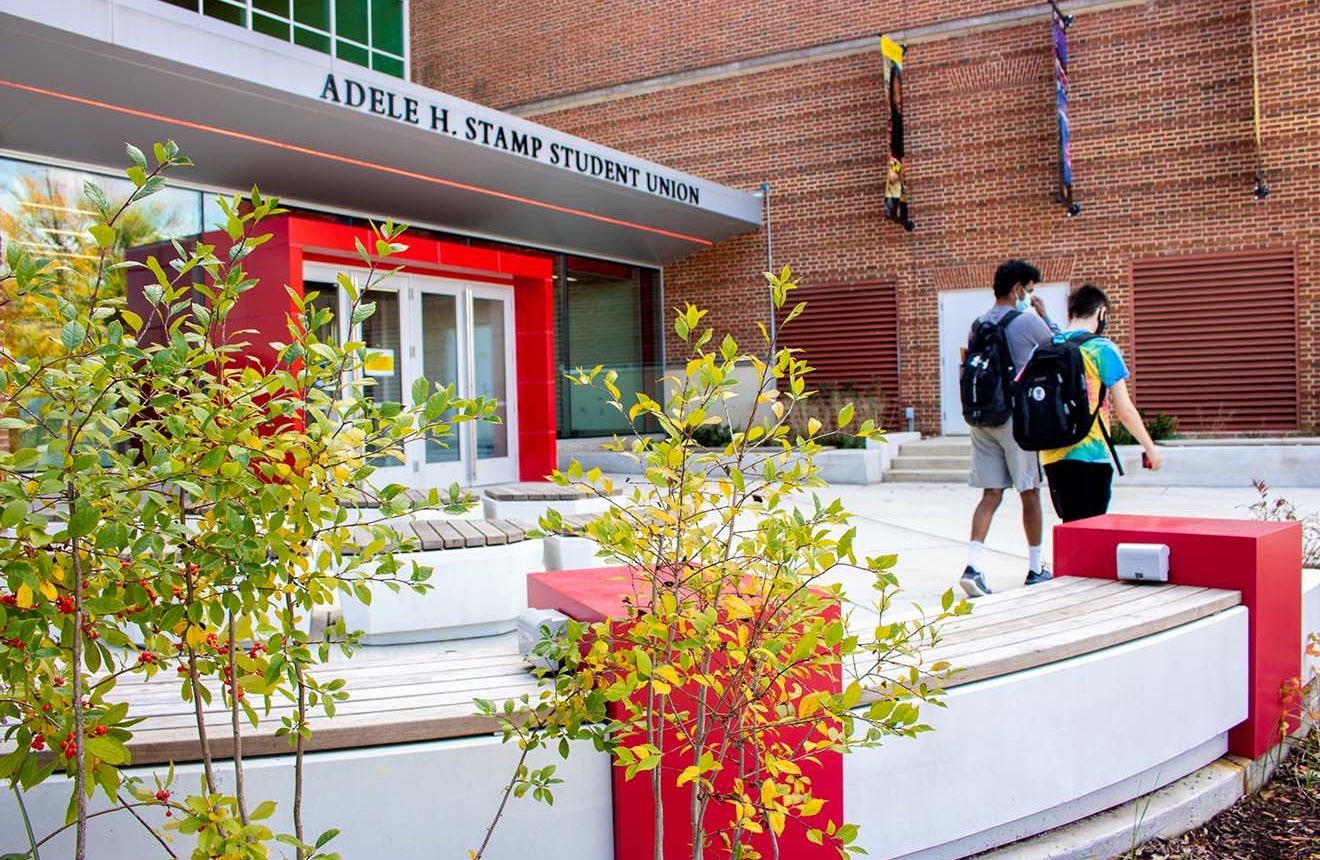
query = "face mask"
x=1022 y=305
x=1100 y=325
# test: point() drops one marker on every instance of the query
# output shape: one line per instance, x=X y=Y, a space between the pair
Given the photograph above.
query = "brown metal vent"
x=850 y=334
x=1215 y=339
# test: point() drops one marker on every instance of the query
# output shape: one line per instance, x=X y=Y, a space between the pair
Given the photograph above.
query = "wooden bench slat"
x=1079 y=639
x=515 y=530
x=992 y=658
x=471 y=536
x=415 y=689
x=452 y=537
x=493 y=534
x=1088 y=604
x=426 y=533
x=1117 y=615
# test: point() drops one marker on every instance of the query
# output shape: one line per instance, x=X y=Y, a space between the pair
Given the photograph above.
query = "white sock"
x=1034 y=555
x=974 y=554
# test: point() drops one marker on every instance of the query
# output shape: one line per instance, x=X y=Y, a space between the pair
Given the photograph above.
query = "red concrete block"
x=598 y=594
x=1262 y=560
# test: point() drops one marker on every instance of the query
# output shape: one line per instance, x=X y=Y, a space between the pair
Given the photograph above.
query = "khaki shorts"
x=998 y=463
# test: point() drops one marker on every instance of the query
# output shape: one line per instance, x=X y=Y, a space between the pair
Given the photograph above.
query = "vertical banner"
x=1060 y=24
x=896 y=205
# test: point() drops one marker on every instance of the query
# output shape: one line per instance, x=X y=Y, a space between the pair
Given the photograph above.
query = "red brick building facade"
x=790 y=94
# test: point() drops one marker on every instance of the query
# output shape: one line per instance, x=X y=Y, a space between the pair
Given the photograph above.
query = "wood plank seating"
x=530 y=499
x=478 y=581
x=363 y=505
x=1066 y=617
x=401 y=694
x=424 y=691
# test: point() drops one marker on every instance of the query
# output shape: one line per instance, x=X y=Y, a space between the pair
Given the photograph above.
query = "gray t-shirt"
x=1025 y=333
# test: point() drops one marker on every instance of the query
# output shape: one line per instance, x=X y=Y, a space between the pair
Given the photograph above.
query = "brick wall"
x=506 y=52
x=1162 y=149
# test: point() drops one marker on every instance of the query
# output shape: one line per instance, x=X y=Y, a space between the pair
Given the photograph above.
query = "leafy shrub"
x=179 y=510
x=715 y=679
x=712 y=435
x=1280 y=510
x=868 y=402
x=1159 y=427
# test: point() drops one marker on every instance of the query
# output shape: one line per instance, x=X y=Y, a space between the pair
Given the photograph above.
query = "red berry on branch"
x=39 y=742
x=58 y=681
x=71 y=750
x=163 y=796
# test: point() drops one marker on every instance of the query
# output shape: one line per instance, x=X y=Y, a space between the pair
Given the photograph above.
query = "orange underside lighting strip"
x=356 y=162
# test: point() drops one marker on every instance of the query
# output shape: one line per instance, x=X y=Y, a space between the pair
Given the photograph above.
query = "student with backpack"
x=1062 y=392
x=999 y=344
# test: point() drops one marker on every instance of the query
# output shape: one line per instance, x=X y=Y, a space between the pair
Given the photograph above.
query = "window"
x=370 y=33
x=605 y=313
x=45 y=211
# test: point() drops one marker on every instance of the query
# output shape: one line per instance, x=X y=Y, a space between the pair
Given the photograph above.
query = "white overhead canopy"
x=79 y=78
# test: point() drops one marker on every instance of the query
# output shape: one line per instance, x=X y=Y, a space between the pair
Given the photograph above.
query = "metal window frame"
x=333 y=34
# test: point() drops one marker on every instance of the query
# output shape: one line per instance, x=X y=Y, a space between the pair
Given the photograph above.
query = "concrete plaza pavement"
x=926 y=526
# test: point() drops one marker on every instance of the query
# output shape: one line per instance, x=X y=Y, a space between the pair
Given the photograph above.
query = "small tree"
x=734 y=669
x=184 y=512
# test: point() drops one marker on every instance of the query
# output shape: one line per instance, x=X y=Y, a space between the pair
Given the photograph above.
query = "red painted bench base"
x=1263 y=560
x=594 y=595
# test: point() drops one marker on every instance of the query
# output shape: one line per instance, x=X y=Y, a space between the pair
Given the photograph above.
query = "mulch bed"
x=1280 y=822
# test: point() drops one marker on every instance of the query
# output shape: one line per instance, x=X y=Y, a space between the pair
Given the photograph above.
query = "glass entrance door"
x=449 y=332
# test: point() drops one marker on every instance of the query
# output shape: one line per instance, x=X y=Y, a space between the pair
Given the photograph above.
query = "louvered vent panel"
x=1215 y=339
x=850 y=334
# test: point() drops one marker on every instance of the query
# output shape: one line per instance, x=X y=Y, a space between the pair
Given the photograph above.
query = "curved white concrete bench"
x=1076 y=695
x=478 y=582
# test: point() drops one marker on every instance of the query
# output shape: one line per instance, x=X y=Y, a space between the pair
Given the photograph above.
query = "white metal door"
x=449 y=332
x=958 y=308
x=492 y=363
x=439 y=351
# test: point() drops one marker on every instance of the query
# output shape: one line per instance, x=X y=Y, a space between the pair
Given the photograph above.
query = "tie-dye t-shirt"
x=1104 y=364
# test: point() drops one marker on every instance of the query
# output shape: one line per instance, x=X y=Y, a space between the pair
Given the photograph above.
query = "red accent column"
x=534 y=330
x=595 y=595
x=1260 y=559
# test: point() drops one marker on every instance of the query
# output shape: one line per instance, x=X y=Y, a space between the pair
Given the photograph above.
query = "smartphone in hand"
x=1145 y=460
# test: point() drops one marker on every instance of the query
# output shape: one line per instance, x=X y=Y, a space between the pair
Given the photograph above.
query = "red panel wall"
x=266 y=308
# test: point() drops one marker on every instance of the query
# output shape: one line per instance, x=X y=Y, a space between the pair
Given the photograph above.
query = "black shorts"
x=1079 y=490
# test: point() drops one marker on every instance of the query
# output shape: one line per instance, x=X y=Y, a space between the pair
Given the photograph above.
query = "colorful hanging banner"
x=896 y=205
x=1060 y=25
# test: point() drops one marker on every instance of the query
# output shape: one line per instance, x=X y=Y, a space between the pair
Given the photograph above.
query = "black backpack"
x=986 y=380
x=1052 y=408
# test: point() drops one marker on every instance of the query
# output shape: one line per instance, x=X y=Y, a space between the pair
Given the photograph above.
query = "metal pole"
x=769 y=259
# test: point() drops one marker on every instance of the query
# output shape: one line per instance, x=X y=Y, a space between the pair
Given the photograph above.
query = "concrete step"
x=922 y=461
x=937 y=448
x=926 y=476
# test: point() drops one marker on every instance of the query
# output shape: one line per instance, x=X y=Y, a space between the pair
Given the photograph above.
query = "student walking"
x=1080 y=475
x=999 y=344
